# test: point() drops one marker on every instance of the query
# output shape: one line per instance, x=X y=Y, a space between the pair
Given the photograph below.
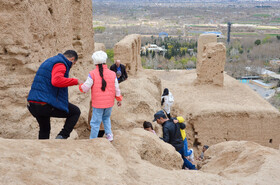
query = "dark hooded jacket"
x=172 y=134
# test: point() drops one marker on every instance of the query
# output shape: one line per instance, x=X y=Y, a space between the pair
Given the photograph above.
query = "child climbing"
x=148 y=126
x=104 y=89
x=201 y=157
x=167 y=101
x=188 y=153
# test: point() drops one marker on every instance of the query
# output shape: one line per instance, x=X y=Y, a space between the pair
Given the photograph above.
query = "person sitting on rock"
x=172 y=135
x=117 y=66
x=148 y=126
x=119 y=76
x=201 y=157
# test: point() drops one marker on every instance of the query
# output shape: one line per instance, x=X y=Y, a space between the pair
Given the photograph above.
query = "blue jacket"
x=42 y=89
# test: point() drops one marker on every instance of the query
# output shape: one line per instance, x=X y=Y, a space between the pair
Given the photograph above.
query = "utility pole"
x=228 y=33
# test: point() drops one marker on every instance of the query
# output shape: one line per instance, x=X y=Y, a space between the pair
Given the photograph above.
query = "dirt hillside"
x=220 y=116
x=213 y=114
x=130 y=159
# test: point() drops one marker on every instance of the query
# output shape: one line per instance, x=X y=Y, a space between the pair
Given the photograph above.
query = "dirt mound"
x=134 y=157
x=141 y=95
x=244 y=160
x=139 y=144
x=60 y=162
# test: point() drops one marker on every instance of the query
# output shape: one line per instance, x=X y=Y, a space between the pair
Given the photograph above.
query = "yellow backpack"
x=183 y=133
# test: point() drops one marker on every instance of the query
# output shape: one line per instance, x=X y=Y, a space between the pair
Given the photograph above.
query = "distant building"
x=152 y=47
x=156 y=48
x=163 y=35
x=263 y=72
x=262 y=84
x=263 y=6
x=275 y=62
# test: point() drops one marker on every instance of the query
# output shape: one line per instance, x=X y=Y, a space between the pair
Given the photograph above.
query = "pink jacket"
x=103 y=99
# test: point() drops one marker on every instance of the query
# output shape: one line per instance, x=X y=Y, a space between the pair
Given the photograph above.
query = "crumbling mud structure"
x=128 y=51
x=30 y=32
x=215 y=110
x=99 y=46
x=211 y=60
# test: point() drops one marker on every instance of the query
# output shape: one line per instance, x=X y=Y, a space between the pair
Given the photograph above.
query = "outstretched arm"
x=58 y=79
x=85 y=87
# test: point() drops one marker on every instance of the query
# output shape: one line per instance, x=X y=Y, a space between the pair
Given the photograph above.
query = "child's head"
x=165 y=92
x=180 y=119
x=119 y=74
x=205 y=147
x=148 y=126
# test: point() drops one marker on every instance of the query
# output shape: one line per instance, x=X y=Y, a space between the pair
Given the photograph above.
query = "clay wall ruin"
x=128 y=52
x=99 y=46
x=30 y=32
x=211 y=58
x=211 y=70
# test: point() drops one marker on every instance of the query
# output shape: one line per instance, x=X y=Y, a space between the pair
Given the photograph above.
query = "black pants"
x=43 y=113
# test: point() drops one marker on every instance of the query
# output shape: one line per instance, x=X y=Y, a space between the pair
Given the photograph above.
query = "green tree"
x=152 y=37
x=167 y=56
x=99 y=29
x=240 y=49
x=183 y=61
x=193 y=58
x=183 y=52
x=110 y=53
x=258 y=42
x=278 y=37
x=266 y=39
x=143 y=61
x=278 y=84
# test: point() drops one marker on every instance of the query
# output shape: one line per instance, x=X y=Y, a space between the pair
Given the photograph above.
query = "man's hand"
x=175 y=121
x=119 y=103
x=80 y=82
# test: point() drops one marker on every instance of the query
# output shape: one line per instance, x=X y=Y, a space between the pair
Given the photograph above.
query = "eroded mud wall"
x=128 y=51
x=30 y=32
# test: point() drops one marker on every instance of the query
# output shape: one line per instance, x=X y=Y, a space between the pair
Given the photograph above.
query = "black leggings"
x=43 y=113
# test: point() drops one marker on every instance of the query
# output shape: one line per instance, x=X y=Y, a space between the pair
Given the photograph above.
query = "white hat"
x=99 y=57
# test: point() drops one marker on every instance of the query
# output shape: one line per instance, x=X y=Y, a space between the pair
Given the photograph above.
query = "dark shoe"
x=60 y=137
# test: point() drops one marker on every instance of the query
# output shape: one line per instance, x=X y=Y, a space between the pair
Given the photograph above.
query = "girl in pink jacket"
x=104 y=89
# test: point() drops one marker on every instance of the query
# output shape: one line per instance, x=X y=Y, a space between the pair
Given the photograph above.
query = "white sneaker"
x=110 y=137
x=191 y=156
